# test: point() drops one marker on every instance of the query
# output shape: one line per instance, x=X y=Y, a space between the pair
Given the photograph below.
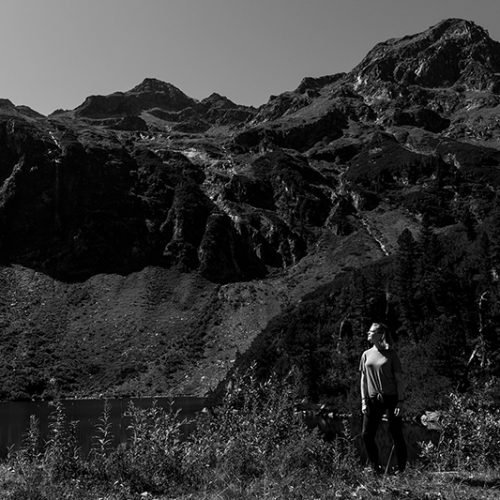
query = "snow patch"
x=360 y=81
x=377 y=240
x=55 y=140
x=419 y=70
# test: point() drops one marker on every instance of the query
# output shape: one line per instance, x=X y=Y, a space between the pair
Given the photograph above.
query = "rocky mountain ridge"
x=454 y=52
x=262 y=206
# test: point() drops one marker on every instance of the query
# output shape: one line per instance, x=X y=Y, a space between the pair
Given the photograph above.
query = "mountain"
x=452 y=53
x=148 y=94
x=151 y=242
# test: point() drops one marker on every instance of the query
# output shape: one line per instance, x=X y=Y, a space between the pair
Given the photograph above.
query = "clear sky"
x=54 y=53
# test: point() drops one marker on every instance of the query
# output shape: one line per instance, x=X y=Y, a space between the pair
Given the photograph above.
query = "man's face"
x=373 y=334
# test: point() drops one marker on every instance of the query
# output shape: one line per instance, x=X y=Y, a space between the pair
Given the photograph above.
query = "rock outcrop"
x=454 y=52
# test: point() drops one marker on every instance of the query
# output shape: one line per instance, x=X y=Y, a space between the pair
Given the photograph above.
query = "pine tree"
x=430 y=273
x=485 y=262
x=406 y=279
x=467 y=219
x=492 y=224
x=430 y=249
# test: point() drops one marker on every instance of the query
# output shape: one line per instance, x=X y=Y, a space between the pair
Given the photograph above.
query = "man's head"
x=378 y=333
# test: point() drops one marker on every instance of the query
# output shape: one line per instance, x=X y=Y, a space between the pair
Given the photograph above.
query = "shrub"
x=61 y=459
x=102 y=445
x=39 y=470
x=27 y=463
x=255 y=434
x=152 y=458
x=470 y=435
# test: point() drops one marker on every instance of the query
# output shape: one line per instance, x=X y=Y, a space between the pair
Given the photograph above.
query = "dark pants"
x=376 y=407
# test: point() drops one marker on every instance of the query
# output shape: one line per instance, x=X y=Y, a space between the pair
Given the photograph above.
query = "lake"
x=15 y=417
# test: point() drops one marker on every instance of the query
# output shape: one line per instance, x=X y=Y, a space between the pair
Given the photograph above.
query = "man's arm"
x=364 y=392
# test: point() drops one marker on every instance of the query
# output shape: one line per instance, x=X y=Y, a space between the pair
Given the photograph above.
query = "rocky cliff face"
x=454 y=52
x=153 y=179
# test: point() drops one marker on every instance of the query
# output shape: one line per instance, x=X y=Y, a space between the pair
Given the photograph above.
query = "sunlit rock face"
x=452 y=52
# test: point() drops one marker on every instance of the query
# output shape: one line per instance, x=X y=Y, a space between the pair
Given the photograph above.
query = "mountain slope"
x=152 y=238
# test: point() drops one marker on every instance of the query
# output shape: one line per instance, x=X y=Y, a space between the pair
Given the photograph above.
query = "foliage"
x=470 y=435
x=61 y=456
x=250 y=446
x=152 y=459
x=254 y=434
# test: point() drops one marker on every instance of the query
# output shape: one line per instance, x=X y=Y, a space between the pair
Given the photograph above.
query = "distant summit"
x=161 y=94
x=8 y=108
x=218 y=101
x=453 y=51
x=155 y=99
x=153 y=85
x=151 y=93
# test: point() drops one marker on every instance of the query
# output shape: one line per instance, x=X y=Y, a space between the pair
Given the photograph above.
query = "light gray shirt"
x=379 y=368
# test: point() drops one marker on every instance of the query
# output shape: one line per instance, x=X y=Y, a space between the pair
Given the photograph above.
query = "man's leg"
x=396 y=430
x=370 y=424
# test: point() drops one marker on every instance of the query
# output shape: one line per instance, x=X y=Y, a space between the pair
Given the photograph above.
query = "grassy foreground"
x=252 y=447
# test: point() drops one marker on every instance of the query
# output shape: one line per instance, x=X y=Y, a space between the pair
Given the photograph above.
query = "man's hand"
x=364 y=408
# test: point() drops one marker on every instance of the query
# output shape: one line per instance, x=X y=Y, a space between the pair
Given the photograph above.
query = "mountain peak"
x=7 y=107
x=218 y=101
x=458 y=28
x=150 y=93
x=154 y=85
x=454 y=50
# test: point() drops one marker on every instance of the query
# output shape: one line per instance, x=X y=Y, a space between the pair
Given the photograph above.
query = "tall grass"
x=252 y=445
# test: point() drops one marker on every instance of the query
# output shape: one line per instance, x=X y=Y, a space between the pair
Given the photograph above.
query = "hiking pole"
x=389 y=460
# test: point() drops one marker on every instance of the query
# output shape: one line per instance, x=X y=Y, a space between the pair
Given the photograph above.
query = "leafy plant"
x=470 y=435
x=62 y=457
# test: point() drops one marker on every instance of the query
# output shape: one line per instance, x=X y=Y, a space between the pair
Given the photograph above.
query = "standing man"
x=381 y=393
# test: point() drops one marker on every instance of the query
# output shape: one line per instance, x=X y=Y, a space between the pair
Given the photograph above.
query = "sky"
x=54 y=53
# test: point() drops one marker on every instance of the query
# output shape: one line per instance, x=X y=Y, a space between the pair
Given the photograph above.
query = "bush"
x=61 y=459
x=41 y=470
x=470 y=435
x=152 y=459
x=256 y=435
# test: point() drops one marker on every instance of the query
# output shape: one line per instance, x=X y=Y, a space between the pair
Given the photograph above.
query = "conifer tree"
x=468 y=220
x=406 y=279
x=430 y=249
x=485 y=261
x=430 y=273
x=494 y=233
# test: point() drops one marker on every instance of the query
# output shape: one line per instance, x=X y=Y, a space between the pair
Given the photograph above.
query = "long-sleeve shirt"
x=379 y=368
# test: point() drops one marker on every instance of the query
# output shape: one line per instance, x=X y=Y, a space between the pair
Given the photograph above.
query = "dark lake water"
x=15 y=417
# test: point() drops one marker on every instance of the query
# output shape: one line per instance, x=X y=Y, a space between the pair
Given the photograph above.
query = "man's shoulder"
x=368 y=351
